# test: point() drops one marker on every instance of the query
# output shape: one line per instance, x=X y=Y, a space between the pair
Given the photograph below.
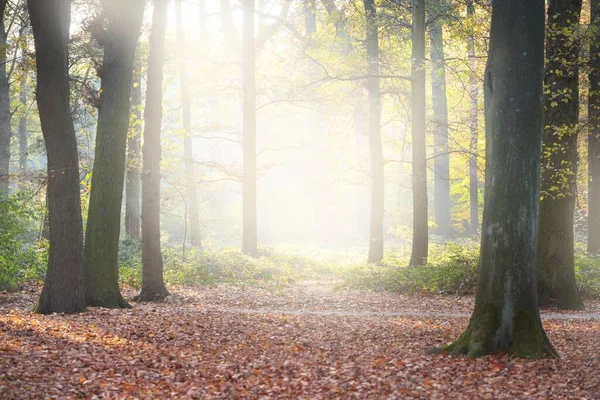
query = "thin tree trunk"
x=593 y=244
x=63 y=289
x=153 y=286
x=506 y=315
x=133 y=177
x=108 y=174
x=375 y=145
x=441 y=166
x=419 y=162
x=192 y=195
x=249 y=228
x=310 y=17
x=23 y=158
x=5 y=115
x=473 y=127
x=556 y=252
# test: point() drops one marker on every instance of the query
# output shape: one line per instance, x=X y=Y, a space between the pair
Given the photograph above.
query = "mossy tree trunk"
x=118 y=35
x=375 y=145
x=190 y=178
x=153 y=286
x=5 y=113
x=419 y=143
x=63 y=289
x=593 y=244
x=441 y=166
x=506 y=315
x=134 y=163
x=249 y=224
x=473 y=126
x=556 y=252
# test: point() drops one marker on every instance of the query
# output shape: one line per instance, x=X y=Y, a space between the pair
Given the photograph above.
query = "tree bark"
x=134 y=162
x=5 y=114
x=375 y=145
x=249 y=228
x=192 y=195
x=419 y=162
x=506 y=315
x=23 y=158
x=441 y=166
x=556 y=252
x=63 y=289
x=310 y=17
x=473 y=127
x=153 y=286
x=593 y=244
x=123 y=24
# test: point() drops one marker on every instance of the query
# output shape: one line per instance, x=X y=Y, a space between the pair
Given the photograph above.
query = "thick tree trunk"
x=506 y=315
x=249 y=228
x=134 y=162
x=556 y=258
x=23 y=158
x=153 y=286
x=593 y=245
x=5 y=115
x=419 y=150
x=375 y=145
x=108 y=174
x=192 y=195
x=63 y=288
x=441 y=166
x=473 y=127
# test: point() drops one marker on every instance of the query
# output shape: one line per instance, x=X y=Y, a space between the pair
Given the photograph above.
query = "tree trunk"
x=441 y=166
x=23 y=159
x=133 y=177
x=506 y=315
x=5 y=115
x=310 y=17
x=556 y=252
x=473 y=127
x=419 y=143
x=192 y=195
x=249 y=228
x=63 y=289
x=593 y=245
x=153 y=286
x=108 y=174
x=376 y=149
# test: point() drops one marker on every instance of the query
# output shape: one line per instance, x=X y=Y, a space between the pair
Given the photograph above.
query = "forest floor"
x=306 y=341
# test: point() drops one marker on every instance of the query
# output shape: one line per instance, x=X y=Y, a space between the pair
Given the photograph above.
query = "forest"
x=299 y=199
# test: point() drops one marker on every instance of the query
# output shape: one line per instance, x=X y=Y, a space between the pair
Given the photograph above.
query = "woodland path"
x=306 y=341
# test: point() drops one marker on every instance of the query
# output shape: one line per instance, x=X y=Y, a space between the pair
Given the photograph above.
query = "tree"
x=441 y=166
x=506 y=315
x=5 y=112
x=133 y=177
x=376 y=150
x=556 y=252
x=117 y=32
x=249 y=228
x=192 y=195
x=153 y=286
x=593 y=244
x=419 y=150
x=473 y=126
x=63 y=289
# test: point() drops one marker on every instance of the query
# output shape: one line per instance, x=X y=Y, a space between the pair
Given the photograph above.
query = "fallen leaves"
x=189 y=347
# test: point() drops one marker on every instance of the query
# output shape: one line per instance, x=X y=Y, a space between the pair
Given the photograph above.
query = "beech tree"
x=473 y=126
x=117 y=31
x=63 y=289
x=419 y=150
x=5 y=111
x=556 y=251
x=506 y=315
x=153 y=286
x=593 y=240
